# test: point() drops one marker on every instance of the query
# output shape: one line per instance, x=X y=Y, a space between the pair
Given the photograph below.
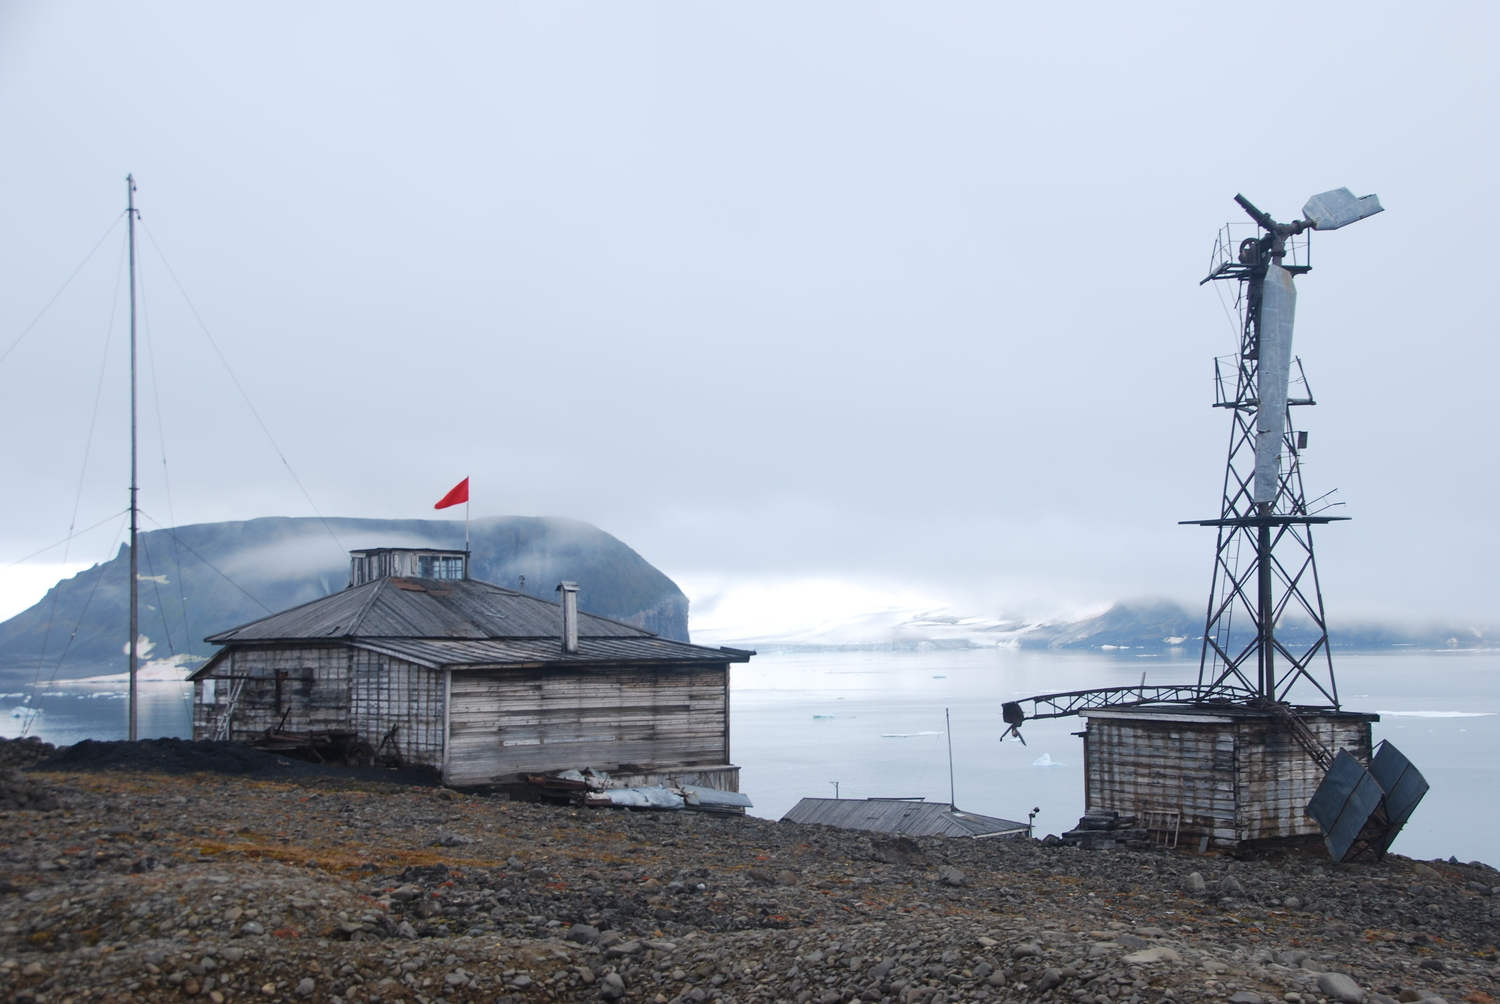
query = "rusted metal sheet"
x=1231 y=777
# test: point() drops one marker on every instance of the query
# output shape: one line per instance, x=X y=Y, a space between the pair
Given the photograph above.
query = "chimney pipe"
x=569 y=592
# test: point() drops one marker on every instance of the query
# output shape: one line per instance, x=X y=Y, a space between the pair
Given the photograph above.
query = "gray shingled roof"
x=460 y=624
x=533 y=652
x=423 y=608
x=899 y=815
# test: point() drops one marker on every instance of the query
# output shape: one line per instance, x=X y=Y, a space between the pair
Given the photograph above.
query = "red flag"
x=460 y=493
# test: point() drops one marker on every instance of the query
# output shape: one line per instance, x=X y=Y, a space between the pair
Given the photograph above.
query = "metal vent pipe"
x=569 y=592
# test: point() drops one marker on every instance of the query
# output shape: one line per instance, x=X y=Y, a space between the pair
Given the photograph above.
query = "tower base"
x=1212 y=775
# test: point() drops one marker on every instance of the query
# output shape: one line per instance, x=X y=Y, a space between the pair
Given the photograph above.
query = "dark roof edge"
x=708 y=656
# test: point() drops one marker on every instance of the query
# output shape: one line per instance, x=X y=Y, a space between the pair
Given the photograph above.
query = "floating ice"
x=906 y=735
x=1437 y=715
x=1045 y=760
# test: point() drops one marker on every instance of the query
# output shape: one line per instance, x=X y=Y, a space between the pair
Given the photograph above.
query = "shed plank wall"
x=1277 y=778
x=1233 y=781
x=314 y=694
x=503 y=722
x=386 y=692
x=1173 y=766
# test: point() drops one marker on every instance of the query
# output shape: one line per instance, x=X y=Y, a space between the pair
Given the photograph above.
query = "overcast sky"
x=896 y=294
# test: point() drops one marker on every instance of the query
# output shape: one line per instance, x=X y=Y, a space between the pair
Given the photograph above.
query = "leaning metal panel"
x=1403 y=785
x=1344 y=803
x=1339 y=208
x=1278 y=305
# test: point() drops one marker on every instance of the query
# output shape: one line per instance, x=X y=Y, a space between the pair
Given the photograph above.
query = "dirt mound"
x=24 y=752
x=185 y=756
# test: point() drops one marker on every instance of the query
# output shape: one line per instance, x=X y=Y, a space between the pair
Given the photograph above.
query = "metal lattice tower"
x=1265 y=570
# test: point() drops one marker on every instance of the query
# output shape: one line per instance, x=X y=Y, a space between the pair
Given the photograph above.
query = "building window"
x=439 y=566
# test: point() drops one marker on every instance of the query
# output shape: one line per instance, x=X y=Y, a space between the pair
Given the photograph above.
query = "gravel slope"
x=149 y=886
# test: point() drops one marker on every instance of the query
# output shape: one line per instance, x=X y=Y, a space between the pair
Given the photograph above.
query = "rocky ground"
x=146 y=886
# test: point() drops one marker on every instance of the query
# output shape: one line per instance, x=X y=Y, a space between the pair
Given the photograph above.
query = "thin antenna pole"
x=135 y=607
x=948 y=721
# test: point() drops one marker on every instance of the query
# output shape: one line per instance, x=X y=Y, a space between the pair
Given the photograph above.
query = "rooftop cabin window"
x=423 y=563
x=439 y=566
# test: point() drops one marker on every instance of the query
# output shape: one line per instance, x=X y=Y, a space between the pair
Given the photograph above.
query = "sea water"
x=874 y=722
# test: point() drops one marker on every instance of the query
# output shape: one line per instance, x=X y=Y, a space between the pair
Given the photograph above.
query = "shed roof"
x=901 y=815
x=532 y=652
x=394 y=607
x=459 y=624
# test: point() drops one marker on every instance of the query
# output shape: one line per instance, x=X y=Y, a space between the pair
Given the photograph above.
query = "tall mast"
x=135 y=607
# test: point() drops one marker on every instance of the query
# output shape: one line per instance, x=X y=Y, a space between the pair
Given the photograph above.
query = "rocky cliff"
x=199 y=579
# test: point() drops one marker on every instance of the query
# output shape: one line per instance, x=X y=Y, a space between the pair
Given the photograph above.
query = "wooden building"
x=1212 y=775
x=479 y=682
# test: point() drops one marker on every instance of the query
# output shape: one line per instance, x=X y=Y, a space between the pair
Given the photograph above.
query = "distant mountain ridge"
x=1143 y=626
x=207 y=577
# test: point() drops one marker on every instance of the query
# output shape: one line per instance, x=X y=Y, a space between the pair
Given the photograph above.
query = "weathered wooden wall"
x=1277 y=778
x=503 y=722
x=314 y=692
x=1136 y=765
x=1232 y=781
x=386 y=692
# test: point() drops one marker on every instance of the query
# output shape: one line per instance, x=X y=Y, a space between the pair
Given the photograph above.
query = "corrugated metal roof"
x=904 y=816
x=546 y=651
x=423 y=608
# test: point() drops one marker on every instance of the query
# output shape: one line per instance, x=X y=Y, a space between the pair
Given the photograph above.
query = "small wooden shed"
x=482 y=683
x=1212 y=775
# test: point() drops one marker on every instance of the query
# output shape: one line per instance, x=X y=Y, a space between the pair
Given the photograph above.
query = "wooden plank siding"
x=1236 y=780
x=314 y=693
x=618 y=719
x=387 y=692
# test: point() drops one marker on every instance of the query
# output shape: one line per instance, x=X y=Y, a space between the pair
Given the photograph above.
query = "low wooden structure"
x=909 y=817
x=1212 y=775
x=481 y=683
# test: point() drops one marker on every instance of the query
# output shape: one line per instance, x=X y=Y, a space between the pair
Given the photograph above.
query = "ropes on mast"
x=66 y=283
x=240 y=387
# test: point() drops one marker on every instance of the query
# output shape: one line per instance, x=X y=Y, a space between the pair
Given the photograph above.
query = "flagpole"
x=466 y=538
x=133 y=648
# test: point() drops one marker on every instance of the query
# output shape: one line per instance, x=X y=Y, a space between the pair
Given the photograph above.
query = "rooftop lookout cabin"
x=483 y=684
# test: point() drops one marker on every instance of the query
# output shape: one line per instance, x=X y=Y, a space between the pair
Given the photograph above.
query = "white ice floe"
x=1045 y=760
x=173 y=669
x=906 y=735
x=1437 y=714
